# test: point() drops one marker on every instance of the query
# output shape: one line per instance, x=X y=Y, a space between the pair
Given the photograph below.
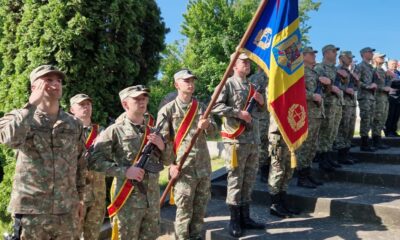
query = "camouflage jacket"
x=382 y=80
x=113 y=153
x=50 y=171
x=95 y=181
x=330 y=71
x=349 y=82
x=261 y=79
x=311 y=77
x=197 y=163
x=230 y=102
x=366 y=78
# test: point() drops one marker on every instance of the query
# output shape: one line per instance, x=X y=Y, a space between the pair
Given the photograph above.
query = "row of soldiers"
x=55 y=196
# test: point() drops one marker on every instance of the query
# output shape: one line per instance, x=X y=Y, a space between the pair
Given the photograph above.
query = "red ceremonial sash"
x=127 y=186
x=151 y=122
x=185 y=124
x=92 y=136
x=241 y=127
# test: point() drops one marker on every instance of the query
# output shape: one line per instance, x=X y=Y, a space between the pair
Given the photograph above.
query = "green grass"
x=3 y=228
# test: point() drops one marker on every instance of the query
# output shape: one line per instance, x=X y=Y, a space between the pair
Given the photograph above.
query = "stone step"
x=387 y=175
x=302 y=227
x=346 y=201
x=391 y=141
x=390 y=156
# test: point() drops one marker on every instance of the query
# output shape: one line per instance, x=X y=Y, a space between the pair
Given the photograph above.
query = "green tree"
x=102 y=45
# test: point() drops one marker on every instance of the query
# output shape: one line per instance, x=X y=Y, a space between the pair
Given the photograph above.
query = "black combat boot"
x=246 y=221
x=350 y=157
x=285 y=203
x=365 y=145
x=377 y=140
x=277 y=208
x=332 y=160
x=264 y=171
x=317 y=157
x=313 y=179
x=234 y=224
x=342 y=157
x=324 y=163
x=303 y=180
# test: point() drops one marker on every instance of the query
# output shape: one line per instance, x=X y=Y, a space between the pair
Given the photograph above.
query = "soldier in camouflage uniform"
x=192 y=189
x=242 y=169
x=366 y=97
x=333 y=101
x=95 y=190
x=383 y=83
x=315 y=106
x=260 y=79
x=348 y=121
x=49 y=177
x=113 y=153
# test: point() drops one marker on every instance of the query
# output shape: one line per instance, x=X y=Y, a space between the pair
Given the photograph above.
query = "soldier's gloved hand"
x=156 y=140
x=373 y=86
x=203 y=123
x=317 y=98
x=134 y=173
x=245 y=116
x=335 y=90
x=173 y=171
x=349 y=91
x=259 y=98
x=325 y=80
x=38 y=89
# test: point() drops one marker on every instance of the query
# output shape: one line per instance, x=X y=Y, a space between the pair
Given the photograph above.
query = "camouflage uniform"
x=366 y=98
x=50 y=171
x=113 y=152
x=260 y=79
x=381 y=101
x=192 y=189
x=305 y=154
x=95 y=198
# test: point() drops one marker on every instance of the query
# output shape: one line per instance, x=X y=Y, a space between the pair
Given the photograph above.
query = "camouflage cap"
x=78 y=98
x=133 y=91
x=183 y=74
x=379 y=55
x=329 y=47
x=242 y=56
x=43 y=70
x=309 y=50
x=347 y=54
x=367 y=49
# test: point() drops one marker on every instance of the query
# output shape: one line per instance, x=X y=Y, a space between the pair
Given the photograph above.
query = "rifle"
x=252 y=101
x=215 y=95
x=318 y=90
x=143 y=162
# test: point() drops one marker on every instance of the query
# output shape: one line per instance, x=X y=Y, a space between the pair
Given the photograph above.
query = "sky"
x=348 y=24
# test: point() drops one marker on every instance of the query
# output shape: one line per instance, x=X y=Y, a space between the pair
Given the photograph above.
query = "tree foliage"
x=103 y=46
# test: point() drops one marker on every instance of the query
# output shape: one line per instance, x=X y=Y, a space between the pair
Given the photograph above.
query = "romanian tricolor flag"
x=275 y=45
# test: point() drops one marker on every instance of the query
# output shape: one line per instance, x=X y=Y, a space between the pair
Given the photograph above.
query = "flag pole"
x=215 y=95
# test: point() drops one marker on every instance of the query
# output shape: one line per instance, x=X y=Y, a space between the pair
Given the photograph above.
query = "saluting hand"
x=38 y=90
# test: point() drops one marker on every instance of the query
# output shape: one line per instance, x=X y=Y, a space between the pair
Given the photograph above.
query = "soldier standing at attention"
x=333 y=101
x=383 y=83
x=95 y=190
x=241 y=141
x=347 y=124
x=366 y=97
x=136 y=214
x=394 y=100
x=315 y=106
x=192 y=189
x=49 y=179
x=260 y=80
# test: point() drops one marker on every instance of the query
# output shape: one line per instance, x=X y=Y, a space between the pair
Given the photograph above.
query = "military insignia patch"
x=296 y=117
x=287 y=53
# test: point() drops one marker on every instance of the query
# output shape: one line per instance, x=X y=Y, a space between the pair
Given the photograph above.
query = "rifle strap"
x=127 y=187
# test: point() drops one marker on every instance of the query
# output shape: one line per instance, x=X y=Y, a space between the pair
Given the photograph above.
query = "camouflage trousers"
x=280 y=171
x=380 y=115
x=263 y=125
x=241 y=179
x=93 y=218
x=346 y=128
x=367 y=109
x=191 y=197
x=49 y=226
x=138 y=223
x=306 y=153
x=329 y=127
